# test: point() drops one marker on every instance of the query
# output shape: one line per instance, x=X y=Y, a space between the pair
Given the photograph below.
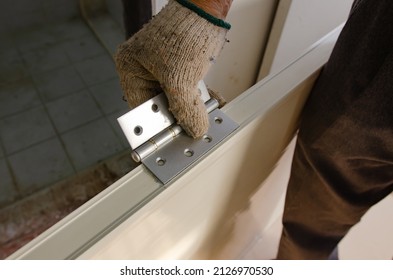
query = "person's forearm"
x=217 y=8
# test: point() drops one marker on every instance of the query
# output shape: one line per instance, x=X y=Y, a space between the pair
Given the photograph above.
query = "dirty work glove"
x=172 y=53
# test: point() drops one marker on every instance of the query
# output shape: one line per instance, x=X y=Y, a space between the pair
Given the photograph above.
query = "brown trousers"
x=343 y=161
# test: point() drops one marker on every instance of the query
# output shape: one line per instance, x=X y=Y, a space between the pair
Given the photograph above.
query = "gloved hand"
x=172 y=53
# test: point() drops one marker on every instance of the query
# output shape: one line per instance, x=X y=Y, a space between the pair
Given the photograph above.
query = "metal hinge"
x=161 y=145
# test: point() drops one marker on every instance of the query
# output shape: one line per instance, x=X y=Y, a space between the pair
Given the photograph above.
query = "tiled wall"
x=21 y=14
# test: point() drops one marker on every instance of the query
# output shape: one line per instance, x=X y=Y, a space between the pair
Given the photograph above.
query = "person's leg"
x=343 y=161
x=135 y=14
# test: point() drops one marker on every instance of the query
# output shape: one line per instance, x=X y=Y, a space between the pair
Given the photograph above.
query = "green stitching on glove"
x=202 y=13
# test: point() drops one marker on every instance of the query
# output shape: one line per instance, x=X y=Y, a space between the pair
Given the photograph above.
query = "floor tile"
x=45 y=59
x=7 y=190
x=97 y=70
x=22 y=14
x=91 y=143
x=40 y=165
x=109 y=95
x=82 y=48
x=25 y=129
x=109 y=31
x=57 y=83
x=7 y=43
x=12 y=67
x=35 y=38
x=17 y=97
x=71 y=29
x=73 y=110
x=112 y=118
x=60 y=9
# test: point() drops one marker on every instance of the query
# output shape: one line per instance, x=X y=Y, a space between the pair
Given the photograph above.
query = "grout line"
x=11 y=171
x=6 y=155
x=31 y=146
x=88 y=87
x=21 y=111
x=105 y=117
x=90 y=24
x=58 y=135
x=56 y=41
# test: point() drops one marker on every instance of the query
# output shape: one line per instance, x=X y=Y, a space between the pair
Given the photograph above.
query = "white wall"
x=237 y=67
x=157 y=5
x=297 y=25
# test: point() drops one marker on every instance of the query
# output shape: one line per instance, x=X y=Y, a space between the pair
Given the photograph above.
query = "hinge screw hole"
x=138 y=130
x=160 y=161
x=207 y=138
x=218 y=120
x=155 y=108
x=188 y=153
